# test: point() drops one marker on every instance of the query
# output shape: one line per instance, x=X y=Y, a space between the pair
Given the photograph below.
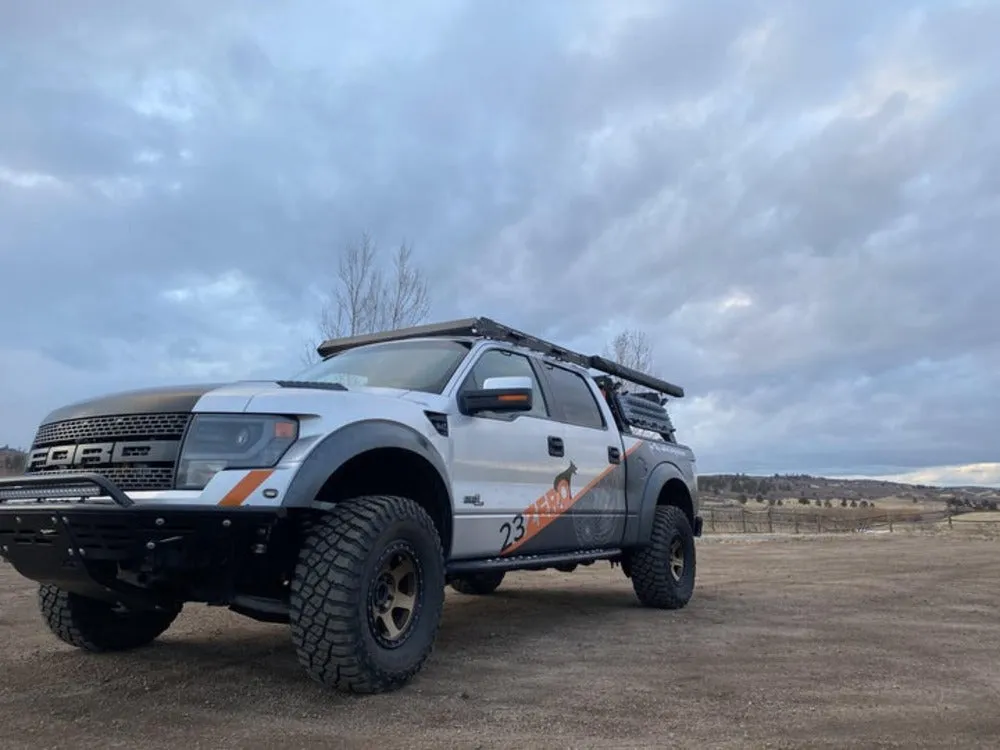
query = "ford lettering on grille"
x=103 y=454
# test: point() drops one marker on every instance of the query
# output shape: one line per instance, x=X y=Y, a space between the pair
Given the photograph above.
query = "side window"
x=575 y=397
x=498 y=363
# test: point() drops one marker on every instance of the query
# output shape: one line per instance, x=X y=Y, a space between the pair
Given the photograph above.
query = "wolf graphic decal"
x=565 y=477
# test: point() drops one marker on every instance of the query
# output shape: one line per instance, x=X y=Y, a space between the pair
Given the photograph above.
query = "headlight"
x=232 y=441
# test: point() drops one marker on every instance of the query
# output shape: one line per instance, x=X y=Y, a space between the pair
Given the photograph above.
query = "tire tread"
x=91 y=625
x=326 y=625
x=650 y=568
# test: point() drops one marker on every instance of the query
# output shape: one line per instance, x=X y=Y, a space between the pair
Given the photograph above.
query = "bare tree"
x=631 y=348
x=366 y=299
x=405 y=301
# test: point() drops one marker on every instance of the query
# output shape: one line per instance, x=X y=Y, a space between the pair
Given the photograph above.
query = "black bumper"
x=135 y=552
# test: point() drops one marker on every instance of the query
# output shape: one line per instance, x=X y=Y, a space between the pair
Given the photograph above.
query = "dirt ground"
x=870 y=641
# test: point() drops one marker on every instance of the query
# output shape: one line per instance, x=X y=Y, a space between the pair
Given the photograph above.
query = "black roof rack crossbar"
x=490 y=329
x=451 y=328
x=634 y=376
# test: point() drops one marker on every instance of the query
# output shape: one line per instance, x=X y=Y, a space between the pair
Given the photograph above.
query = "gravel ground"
x=872 y=641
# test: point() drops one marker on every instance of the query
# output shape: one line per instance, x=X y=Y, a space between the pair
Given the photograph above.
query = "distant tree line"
x=737 y=484
x=12 y=460
x=956 y=503
x=830 y=492
x=820 y=503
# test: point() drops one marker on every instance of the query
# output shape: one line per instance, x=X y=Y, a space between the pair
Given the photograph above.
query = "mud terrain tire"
x=663 y=573
x=98 y=626
x=478 y=584
x=367 y=594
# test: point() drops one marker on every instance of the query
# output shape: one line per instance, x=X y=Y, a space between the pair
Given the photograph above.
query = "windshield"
x=409 y=365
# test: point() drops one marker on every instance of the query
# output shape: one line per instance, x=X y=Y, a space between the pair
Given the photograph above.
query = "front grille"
x=129 y=426
x=55 y=448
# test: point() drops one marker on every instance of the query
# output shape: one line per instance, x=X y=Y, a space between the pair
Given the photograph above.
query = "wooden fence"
x=772 y=520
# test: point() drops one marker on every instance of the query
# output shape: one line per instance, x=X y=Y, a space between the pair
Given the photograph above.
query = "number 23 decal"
x=512 y=530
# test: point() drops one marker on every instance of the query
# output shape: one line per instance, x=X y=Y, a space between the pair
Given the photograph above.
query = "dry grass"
x=880 y=640
x=984 y=516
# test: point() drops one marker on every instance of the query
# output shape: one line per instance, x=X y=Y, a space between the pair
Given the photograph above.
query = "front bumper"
x=83 y=534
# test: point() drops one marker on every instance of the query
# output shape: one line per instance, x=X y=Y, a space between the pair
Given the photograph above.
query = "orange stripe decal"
x=245 y=487
x=554 y=504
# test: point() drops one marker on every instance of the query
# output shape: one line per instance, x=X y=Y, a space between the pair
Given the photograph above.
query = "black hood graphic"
x=177 y=398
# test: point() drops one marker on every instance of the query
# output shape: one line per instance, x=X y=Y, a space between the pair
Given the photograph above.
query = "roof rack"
x=489 y=329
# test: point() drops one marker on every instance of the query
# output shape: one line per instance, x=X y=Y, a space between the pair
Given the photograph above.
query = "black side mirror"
x=510 y=394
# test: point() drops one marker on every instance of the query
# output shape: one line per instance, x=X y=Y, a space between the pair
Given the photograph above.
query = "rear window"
x=575 y=398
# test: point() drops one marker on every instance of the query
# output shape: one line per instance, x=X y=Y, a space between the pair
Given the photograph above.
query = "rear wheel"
x=367 y=594
x=663 y=573
x=478 y=584
x=94 y=625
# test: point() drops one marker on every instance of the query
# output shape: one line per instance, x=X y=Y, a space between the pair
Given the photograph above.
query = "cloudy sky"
x=798 y=202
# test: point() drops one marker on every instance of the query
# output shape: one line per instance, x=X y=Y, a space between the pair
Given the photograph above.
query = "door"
x=596 y=515
x=501 y=464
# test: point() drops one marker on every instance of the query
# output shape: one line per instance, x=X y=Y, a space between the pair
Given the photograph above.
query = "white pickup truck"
x=343 y=502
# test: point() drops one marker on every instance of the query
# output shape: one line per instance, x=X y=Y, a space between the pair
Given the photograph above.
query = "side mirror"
x=510 y=394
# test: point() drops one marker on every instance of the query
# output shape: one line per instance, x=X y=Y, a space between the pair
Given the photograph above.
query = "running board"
x=260 y=609
x=531 y=562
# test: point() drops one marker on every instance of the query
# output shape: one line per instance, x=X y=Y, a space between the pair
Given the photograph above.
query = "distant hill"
x=11 y=460
x=806 y=489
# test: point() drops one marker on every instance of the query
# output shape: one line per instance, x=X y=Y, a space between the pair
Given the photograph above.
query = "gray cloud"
x=796 y=203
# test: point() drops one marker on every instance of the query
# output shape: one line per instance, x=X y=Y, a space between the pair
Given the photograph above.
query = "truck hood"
x=176 y=398
x=224 y=397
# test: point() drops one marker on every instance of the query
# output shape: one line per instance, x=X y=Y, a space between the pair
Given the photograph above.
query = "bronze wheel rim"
x=676 y=560
x=393 y=597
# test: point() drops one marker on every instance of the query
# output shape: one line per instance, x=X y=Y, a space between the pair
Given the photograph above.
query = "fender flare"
x=350 y=441
x=639 y=528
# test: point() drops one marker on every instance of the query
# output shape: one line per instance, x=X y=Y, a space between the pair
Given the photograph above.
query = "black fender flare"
x=639 y=528
x=343 y=444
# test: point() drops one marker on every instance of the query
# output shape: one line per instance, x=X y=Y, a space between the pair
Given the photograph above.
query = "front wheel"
x=367 y=594
x=98 y=626
x=663 y=572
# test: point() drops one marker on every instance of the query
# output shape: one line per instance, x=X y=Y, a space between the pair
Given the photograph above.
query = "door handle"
x=556 y=447
x=614 y=455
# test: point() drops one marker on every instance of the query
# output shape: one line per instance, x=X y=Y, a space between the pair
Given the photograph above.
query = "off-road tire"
x=98 y=626
x=332 y=628
x=650 y=566
x=478 y=584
